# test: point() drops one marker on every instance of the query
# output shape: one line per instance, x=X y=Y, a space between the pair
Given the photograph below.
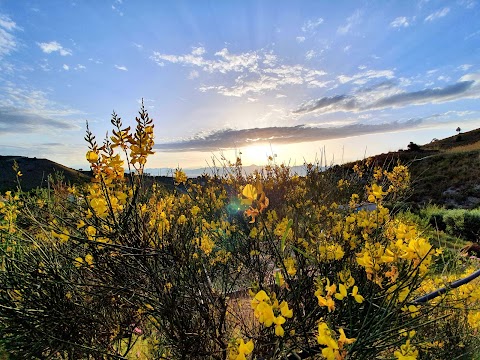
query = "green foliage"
x=461 y=223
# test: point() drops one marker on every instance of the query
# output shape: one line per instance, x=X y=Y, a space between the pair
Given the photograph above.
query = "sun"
x=256 y=154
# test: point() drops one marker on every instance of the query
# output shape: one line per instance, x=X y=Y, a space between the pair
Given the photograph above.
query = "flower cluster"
x=334 y=347
x=265 y=308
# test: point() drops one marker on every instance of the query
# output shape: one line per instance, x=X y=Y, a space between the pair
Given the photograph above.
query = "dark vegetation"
x=36 y=173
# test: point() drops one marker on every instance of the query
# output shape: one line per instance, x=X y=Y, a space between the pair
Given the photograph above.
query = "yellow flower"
x=328 y=353
x=180 y=177
x=325 y=336
x=342 y=293
x=286 y=312
x=92 y=156
x=262 y=296
x=358 y=298
x=343 y=339
x=250 y=192
x=327 y=302
x=195 y=210
x=290 y=266
x=406 y=352
x=242 y=350
x=278 y=321
x=89 y=259
x=78 y=262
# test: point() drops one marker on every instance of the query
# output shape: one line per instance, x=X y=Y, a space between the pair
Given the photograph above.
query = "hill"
x=35 y=173
x=444 y=172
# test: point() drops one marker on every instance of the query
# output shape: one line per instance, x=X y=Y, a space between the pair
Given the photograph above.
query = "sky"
x=296 y=80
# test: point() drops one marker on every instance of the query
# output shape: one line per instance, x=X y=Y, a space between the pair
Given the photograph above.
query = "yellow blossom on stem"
x=343 y=292
x=358 y=298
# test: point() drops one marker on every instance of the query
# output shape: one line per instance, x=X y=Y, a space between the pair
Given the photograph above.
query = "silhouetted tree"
x=413 y=147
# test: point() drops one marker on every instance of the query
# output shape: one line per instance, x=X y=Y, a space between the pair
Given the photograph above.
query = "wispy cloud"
x=79 y=67
x=256 y=72
x=24 y=110
x=364 y=77
x=469 y=4
x=300 y=39
x=400 y=21
x=310 y=54
x=352 y=21
x=54 y=46
x=474 y=34
x=193 y=74
x=437 y=14
x=230 y=138
x=312 y=25
x=66 y=67
x=96 y=61
x=121 y=67
x=116 y=9
x=378 y=98
x=464 y=67
x=8 y=42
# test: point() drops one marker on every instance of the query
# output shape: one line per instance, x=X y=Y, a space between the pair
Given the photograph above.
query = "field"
x=332 y=265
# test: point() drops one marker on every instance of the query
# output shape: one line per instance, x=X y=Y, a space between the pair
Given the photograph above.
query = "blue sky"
x=293 y=78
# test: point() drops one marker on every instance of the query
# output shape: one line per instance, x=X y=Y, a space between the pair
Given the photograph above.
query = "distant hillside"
x=461 y=142
x=35 y=173
x=445 y=172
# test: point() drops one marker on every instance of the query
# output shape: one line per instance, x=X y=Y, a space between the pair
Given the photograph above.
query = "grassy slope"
x=35 y=173
x=445 y=172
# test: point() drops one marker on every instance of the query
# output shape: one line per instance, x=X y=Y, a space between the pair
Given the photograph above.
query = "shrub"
x=262 y=266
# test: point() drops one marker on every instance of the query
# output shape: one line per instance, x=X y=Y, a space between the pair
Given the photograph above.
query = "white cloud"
x=437 y=14
x=312 y=25
x=66 y=67
x=400 y=21
x=121 y=67
x=270 y=59
x=7 y=23
x=80 y=67
x=443 y=78
x=363 y=77
x=300 y=39
x=464 y=67
x=193 y=74
x=96 y=61
x=54 y=46
x=469 y=4
x=352 y=20
x=138 y=46
x=347 y=48
x=256 y=72
x=198 y=51
x=8 y=42
x=310 y=54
